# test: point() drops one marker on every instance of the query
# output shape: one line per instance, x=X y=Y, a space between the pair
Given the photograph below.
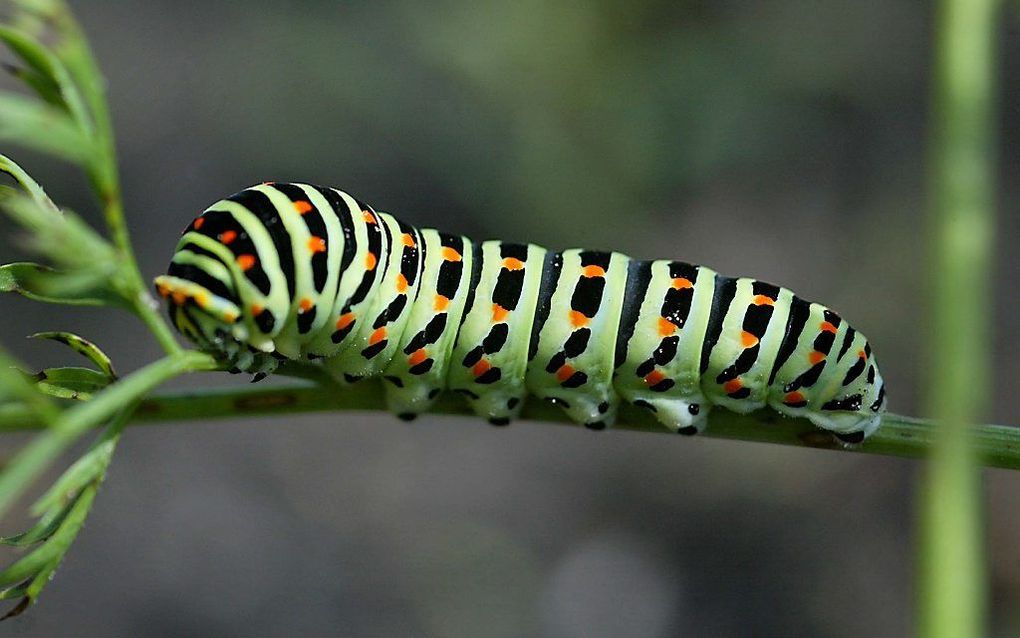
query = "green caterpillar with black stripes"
x=296 y=271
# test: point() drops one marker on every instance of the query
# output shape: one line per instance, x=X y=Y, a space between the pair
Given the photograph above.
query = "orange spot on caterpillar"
x=565 y=372
x=748 y=340
x=816 y=357
x=481 y=368
x=450 y=254
x=401 y=283
x=441 y=303
x=408 y=240
x=593 y=271
x=163 y=290
x=666 y=327
x=302 y=207
x=230 y=316
x=377 y=336
x=178 y=297
x=368 y=217
x=654 y=378
x=578 y=319
x=227 y=236
x=681 y=283
x=246 y=262
x=862 y=354
x=305 y=305
x=762 y=300
x=499 y=313
x=417 y=356
x=199 y=222
x=512 y=263
x=256 y=309
x=202 y=299
x=344 y=320
x=316 y=245
x=828 y=327
x=732 y=386
x=794 y=398
x=370 y=261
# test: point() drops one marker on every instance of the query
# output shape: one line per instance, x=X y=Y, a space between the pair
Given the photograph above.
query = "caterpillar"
x=284 y=271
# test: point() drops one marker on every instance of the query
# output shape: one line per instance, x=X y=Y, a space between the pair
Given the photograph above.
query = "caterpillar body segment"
x=490 y=355
x=365 y=336
x=750 y=335
x=573 y=353
x=417 y=374
x=297 y=271
x=661 y=341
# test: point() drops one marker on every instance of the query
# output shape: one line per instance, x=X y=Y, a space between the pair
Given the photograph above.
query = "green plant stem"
x=997 y=445
x=952 y=574
x=76 y=421
x=147 y=311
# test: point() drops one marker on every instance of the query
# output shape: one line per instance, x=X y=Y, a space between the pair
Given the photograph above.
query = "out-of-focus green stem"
x=952 y=575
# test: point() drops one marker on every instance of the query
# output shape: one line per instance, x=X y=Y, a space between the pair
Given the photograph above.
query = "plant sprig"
x=67 y=117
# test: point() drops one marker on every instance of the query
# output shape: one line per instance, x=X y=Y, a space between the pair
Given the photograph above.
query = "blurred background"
x=784 y=140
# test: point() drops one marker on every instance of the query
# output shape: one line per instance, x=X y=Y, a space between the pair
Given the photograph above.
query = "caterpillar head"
x=209 y=319
x=202 y=292
x=200 y=315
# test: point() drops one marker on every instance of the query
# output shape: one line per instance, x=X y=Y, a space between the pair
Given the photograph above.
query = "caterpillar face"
x=296 y=271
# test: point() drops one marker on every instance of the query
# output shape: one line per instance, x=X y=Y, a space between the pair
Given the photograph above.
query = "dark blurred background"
x=784 y=140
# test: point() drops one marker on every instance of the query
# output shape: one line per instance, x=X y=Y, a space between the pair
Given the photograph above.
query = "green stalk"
x=902 y=436
x=147 y=310
x=952 y=574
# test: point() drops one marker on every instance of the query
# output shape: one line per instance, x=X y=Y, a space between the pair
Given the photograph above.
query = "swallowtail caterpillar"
x=296 y=271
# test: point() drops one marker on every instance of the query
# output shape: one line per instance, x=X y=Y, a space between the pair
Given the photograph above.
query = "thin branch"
x=150 y=316
x=997 y=445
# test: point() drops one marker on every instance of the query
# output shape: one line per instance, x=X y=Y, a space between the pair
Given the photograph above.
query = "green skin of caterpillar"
x=495 y=322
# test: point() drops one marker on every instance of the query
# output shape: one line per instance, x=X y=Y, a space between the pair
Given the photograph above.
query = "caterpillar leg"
x=683 y=417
